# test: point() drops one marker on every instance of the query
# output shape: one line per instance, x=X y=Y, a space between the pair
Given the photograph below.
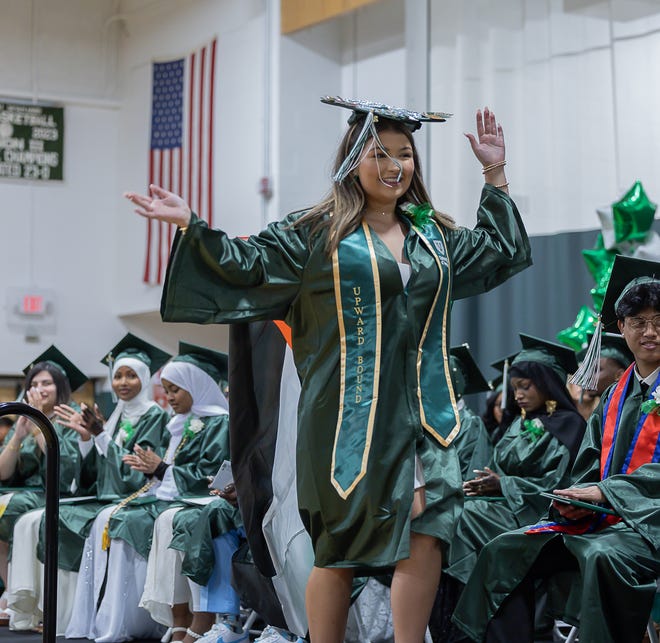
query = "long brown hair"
x=340 y=212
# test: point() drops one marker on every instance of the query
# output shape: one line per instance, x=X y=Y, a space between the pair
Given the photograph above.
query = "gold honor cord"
x=105 y=539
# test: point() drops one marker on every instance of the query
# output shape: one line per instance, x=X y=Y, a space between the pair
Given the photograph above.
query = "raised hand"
x=68 y=416
x=93 y=421
x=161 y=205
x=488 y=145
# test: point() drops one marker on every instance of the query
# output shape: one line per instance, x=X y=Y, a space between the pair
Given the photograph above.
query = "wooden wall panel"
x=298 y=14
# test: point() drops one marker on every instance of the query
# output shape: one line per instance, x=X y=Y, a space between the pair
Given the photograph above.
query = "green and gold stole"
x=357 y=295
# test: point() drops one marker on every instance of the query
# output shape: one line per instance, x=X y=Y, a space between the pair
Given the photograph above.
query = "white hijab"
x=207 y=397
x=131 y=410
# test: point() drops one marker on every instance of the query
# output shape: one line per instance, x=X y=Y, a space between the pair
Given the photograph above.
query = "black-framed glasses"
x=638 y=324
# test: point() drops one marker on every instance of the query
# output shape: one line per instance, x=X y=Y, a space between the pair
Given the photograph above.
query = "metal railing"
x=52 y=511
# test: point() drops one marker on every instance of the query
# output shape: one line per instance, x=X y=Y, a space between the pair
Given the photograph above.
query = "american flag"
x=181 y=146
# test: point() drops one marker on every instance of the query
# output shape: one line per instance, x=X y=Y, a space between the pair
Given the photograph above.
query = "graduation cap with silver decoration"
x=372 y=111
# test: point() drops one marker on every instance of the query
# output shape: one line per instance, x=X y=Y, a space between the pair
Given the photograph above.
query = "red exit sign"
x=33 y=305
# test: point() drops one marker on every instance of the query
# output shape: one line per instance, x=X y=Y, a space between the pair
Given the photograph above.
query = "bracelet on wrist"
x=501 y=186
x=492 y=166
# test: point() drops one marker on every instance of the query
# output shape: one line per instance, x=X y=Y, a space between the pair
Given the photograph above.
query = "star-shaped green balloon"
x=598 y=259
x=575 y=336
x=633 y=215
x=598 y=291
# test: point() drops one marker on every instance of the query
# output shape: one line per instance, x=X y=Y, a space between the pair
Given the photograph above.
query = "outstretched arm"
x=162 y=205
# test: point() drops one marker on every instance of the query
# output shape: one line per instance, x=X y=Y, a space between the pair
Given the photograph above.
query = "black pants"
x=514 y=621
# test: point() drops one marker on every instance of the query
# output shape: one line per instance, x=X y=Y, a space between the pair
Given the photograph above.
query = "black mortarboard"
x=626 y=273
x=614 y=346
x=54 y=356
x=474 y=380
x=499 y=365
x=132 y=346
x=558 y=357
x=213 y=363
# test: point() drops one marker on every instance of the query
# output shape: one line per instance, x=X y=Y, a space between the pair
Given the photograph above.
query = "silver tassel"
x=587 y=374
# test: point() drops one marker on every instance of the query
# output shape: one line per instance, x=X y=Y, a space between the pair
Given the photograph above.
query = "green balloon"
x=598 y=260
x=575 y=336
x=633 y=215
x=598 y=291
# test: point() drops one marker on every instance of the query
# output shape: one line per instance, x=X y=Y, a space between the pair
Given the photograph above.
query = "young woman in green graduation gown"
x=365 y=279
x=48 y=382
x=136 y=419
x=613 y=560
x=114 y=559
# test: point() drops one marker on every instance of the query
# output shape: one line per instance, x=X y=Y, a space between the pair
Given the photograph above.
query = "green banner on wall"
x=31 y=142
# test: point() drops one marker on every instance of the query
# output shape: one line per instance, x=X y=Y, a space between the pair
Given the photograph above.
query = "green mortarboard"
x=132 y=346
x=496 y=383
x=53 y=355
x=558 y=357
x=503 y=364
x=474 y=381
x=499 y=365
x=626 y=273
x=212 y=362
x=373 y=111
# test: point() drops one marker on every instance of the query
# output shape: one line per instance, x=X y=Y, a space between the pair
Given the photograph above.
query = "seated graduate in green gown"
x=104 y=478
x=365 y=280
x=114 y=560
x=49 y=380
x=614 y=560
x=473 y=445
x=535 y=453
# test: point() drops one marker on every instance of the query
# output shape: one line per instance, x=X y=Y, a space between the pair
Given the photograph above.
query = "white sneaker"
x=222 y=633
x=273 y=635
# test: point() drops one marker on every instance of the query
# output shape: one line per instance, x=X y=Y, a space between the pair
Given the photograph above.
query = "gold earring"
x=550 y=406
x=523 y=413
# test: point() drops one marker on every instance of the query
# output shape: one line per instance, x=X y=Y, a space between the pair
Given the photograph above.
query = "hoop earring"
x=550 y=406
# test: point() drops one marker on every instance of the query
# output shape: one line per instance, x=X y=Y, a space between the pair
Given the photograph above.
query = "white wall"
x=573 y=85
x=56 y=235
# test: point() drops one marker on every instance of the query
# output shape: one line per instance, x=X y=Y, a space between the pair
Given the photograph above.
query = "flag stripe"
x=181 y=144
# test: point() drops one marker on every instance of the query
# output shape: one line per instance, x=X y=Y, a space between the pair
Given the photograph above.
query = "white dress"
x=165 y=585
x=25 y=596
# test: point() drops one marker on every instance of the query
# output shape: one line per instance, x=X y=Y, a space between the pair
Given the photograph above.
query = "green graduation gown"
x=200 y=457
x=28 y=480
x=527 y=466
x=614 y=591
x=109 y=479
x=282 y=273
x=473 y=445
x=193 y=531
